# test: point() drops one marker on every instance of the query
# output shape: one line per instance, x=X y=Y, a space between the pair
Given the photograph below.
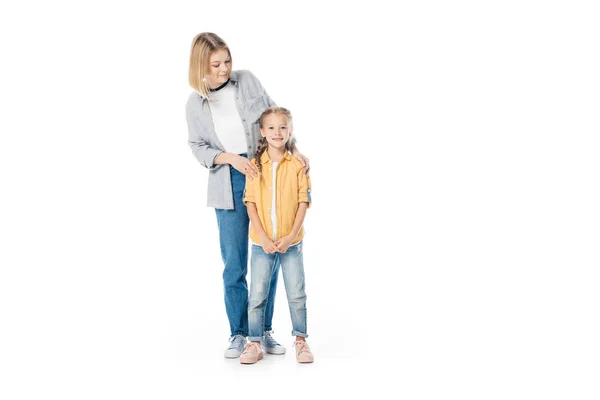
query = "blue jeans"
x=233 y=236
x=263 y=265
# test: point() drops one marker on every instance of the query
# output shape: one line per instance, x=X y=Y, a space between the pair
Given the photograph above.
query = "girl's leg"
x=292 y=267
x=262 y=265
x=233 y=235
x=271 y=299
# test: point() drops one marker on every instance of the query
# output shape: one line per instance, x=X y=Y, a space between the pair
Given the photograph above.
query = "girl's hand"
x=268 y=245
x=245 y=166
x=284 y=243
x=303 y=159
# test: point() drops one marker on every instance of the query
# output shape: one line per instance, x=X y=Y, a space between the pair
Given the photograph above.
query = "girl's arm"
x=266 y=242
x=285 y=242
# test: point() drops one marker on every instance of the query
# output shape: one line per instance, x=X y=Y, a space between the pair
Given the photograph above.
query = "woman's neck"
x=275 y=154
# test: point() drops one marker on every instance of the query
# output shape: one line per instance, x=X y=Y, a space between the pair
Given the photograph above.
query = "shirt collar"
x=265 y=157
x=233 y=79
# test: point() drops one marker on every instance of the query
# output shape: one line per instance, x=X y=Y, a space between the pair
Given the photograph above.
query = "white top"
x=227 y=120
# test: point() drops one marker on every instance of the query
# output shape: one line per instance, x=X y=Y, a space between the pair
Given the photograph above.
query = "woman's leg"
x=233 y=236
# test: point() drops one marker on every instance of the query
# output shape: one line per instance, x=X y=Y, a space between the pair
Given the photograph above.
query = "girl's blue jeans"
x=262 y=267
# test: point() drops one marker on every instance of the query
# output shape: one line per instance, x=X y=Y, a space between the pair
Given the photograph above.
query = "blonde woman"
x=223 y=133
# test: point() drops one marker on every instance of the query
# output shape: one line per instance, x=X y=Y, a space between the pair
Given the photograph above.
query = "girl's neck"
x=275 y=154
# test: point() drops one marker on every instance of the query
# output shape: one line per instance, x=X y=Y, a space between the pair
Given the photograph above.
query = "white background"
x=452 y=247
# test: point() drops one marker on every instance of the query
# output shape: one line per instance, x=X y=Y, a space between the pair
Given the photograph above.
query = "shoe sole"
x=278 y=351
x=233 y=354
x=260 y=357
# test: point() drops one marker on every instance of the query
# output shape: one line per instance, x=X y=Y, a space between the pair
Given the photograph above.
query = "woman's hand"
x=267 y=244
x=284 y=243
x=245 y=166
x=302 y=158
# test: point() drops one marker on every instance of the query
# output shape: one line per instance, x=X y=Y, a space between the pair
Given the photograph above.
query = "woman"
x=222 y=116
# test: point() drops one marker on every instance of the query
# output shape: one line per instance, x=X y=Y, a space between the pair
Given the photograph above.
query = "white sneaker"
x=271 y=346
x=236 y=346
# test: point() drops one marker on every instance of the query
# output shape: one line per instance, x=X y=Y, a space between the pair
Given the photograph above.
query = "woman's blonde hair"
x=203 y=45
x=262 y=143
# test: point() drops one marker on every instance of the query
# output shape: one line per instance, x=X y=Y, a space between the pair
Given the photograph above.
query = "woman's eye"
x=227 y=62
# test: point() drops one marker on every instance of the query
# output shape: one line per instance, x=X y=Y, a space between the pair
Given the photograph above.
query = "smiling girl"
x=277 y=202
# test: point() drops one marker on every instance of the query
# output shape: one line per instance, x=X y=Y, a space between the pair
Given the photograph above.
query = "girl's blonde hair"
x=203 y=45
x=262 y=143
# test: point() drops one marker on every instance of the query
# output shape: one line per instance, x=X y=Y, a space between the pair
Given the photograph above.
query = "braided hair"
x=263 y=145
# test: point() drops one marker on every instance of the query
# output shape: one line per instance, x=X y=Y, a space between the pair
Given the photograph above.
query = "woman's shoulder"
x=245 y=77
x=194 y=100
x=242 y=74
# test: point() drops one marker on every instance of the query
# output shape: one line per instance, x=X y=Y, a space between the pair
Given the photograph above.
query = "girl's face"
x=219 y=68
x=276 y=130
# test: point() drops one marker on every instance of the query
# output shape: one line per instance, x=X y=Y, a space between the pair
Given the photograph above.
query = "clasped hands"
x=278 y=246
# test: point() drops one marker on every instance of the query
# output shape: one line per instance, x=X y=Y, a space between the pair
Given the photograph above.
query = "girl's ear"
x=262 y=133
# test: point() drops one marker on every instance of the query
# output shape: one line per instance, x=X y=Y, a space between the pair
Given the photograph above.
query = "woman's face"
x=219 y=68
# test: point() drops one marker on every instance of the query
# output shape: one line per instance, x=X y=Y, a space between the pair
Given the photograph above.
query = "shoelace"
x=236 y=341
x=301 y=346
x=252 y=348
x=269 y=341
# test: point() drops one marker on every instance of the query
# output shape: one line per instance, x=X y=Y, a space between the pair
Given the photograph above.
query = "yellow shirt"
x=292 y=186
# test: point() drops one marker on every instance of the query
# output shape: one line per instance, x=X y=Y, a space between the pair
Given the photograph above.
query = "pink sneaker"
x=303 y=353
x=252 y=353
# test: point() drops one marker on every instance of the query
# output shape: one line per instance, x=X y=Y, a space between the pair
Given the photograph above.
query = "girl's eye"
x=227 y=62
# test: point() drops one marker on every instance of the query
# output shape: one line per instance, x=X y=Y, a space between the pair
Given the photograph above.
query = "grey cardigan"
x=251 y=100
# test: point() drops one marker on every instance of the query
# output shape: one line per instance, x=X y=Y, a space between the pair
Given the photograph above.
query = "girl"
x=276 y=202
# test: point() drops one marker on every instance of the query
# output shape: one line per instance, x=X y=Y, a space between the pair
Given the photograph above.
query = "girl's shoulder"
x=295 y=163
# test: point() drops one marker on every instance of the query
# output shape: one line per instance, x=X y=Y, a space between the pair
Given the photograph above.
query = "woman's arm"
x=205 y=154
x=242 y=164
x=302 y=158
x=208 y=156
